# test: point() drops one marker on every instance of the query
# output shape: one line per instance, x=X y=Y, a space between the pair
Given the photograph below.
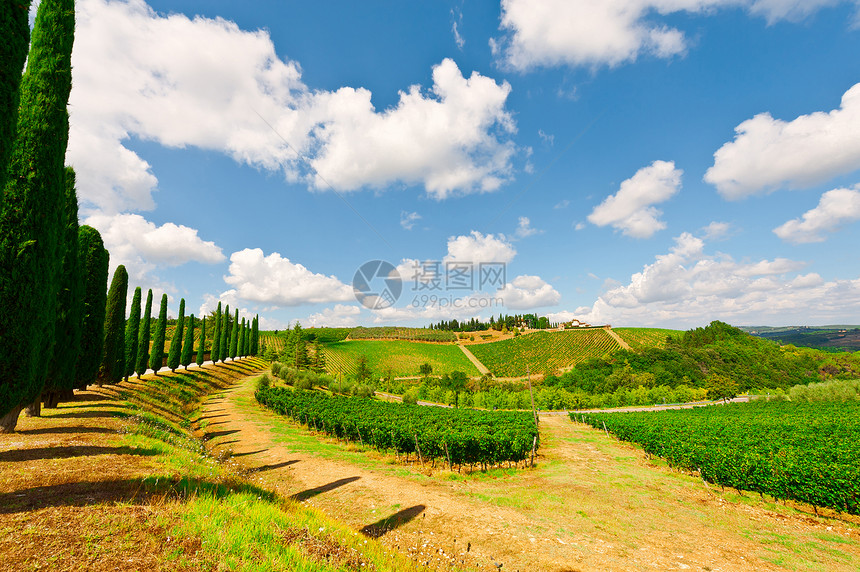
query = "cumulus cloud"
x=525 y=229
x=527 y=292
x=717 y=230
x=408 y=219
x=477 y=247
x=769 y=154
x=140 y=74
x=613 y=32
x=630 y=209
x=340 y=316
x=276 y=280
x=836 y=207
x=687 y=287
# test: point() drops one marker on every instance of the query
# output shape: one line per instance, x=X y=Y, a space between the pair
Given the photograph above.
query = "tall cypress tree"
x=113 y=354
x=241 y=342
x=15 y=31
x=255 y=336
x=234 y=336
x=132 y=330
x=31 y=213
x=225 y=332
x=173 y=357
x=188 y=344
x=70 y=305
x=201 y=345
x=156 y=356
x=94 y=260
x=216 y=338
x=141 y=362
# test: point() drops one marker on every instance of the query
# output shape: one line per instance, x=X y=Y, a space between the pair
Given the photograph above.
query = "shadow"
x=58 y=430
x=310 y=493
x=65 y=405
x=213 y=416
x=396 y=520
x=249 y=453
x=276 y=466
x=85 y=415
x=228 y=442
x=42 y=453
x=209 y=436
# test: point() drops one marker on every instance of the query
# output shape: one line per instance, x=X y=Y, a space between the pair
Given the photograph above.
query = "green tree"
x=95 y=260
x=70 y=305
x=113 y=353
x=132 y=330
x=156 y=355
x=234 y=336
x=225 y=333
x=243 y=339
x=173 y=357
x=425 y=370
x=216 y=338
x=255 y=336
x=721 y=387
x=363 y=374
x=31 y=213
x=15 y=31
x=318 y=364
x=188 y=344
x=142 y=359
x=201 y=345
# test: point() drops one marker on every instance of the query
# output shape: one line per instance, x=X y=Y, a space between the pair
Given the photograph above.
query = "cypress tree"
x=255 y=336
x=156 y=356
x=225 y=331
x=15 y=31
x=173 y=357
x=113 y=354
x=201 y=345
x=188 y=344
x=216 y=337
x=132 y=330
x=31 y=213
x=234 y=336
x=94 y=261
x=240 y=346
x=142 y=359
x=70 y=305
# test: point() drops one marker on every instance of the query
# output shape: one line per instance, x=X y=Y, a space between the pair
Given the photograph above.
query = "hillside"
x=403 y=358
x=831 y=338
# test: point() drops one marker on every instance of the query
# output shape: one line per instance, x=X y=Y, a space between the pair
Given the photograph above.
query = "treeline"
x=503 y=322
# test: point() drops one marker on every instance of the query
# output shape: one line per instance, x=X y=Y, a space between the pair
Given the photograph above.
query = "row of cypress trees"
x=233 y=338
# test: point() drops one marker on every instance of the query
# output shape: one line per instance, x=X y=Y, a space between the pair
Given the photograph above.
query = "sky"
x=629 y=162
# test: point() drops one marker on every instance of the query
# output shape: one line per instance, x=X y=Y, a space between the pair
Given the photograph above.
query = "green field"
x=401 y=333
x=639 y=338
x=402 y=357
x=543 y=352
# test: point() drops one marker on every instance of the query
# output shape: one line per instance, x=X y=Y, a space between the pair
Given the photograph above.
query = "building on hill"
x=575 y=324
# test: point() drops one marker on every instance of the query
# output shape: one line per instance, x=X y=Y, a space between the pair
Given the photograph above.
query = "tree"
x=318 y=364
x=188 y=344
x=113 y=352
x=173 y=357
x=456 y=382
x=425 y=370
x=31 y=213
x=225 y=332
x=156 y=356
x=234 y=336
x=216 y=338
x=362 y=371
x=255 y=336
x=201 y=345
x=70 y=305
x=95 y=260
x=15 y=31
x=721 y=387
x=142 y=359
x=243 y=339
x=132 y=330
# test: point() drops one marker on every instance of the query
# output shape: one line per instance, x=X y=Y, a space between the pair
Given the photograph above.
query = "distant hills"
x=830 y=338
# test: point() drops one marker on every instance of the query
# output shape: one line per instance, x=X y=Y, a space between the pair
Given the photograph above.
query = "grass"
x=638 y=338
x=403 y=358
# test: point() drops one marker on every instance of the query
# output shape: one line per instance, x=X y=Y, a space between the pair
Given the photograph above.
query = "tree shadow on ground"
x=396 y=520
x=271 y=467
x=214 y=434
x=63 y=430
x=85 y=415
x=249 y=453
x=68 y=452
x=310 y=493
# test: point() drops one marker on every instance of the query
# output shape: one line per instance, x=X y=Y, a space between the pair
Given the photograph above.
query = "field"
x=399 y=333
x=543 y=352
x=638 y=338
x=806 y=452
x=402 y=357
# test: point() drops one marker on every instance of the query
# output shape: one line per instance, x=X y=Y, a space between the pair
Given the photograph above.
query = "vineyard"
x=543 y=352
x=272 y=341
x=403 y=358
x=639 y=338
x=398 y=333
x=458 y=437
x=806 y=452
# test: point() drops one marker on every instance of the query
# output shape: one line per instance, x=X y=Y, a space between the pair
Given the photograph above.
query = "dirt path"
x=617 y=338
x=591 y=504
x=481 y=367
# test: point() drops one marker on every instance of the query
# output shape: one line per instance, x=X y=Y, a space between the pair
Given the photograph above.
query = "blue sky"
x=647 y=162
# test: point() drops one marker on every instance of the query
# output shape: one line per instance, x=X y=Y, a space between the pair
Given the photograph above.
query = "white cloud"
x=476 y=248
x=275 y=280
x=689 y=287
x=341 y=316
x=525 y=229
x=548 y=139
x=835 y=208
x=456 y=22
x=768 y=154
x=717 y=230
x=408 y=219
x=563 y=204
x=139 y=74
x=527 y=292
x=613 y=32
x=630 y=210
